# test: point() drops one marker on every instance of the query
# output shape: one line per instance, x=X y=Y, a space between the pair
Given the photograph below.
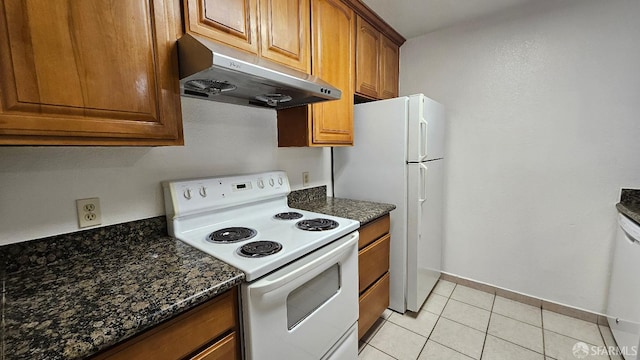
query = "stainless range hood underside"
x=244 y=79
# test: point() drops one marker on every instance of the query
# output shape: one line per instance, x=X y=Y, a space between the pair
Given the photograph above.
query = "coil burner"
x=318 y=224
x=292 y=215
x=258 y=249
x=231 y=235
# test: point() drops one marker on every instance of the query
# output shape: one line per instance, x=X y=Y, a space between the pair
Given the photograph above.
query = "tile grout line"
x=518 y=345
x=434 y=326
x=544 y=347
x=486 y=333
x=452 y=349
x=382 y=351
x=487 y=330
x=439 y=316
x=368 y=343
x=542 y=326
x=605 y=342
x=571 y=337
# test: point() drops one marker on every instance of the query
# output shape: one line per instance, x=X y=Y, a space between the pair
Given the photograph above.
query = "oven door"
x=302 y=310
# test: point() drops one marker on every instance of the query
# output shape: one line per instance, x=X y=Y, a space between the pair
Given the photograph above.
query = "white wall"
x=39 y=185
x=544 y=129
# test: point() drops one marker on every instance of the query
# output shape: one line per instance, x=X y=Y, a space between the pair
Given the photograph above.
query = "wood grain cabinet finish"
x=231 y=22
x=389 y=68
x=225 y=349
x=333 y=60
x=373 y=231
x=208 y=331
x=89 y=72
x=367 y=59
x=377 y=63
x=284 y=32
x=372 y=304
x=373 y=262
x=373 y=272
x=277 y=30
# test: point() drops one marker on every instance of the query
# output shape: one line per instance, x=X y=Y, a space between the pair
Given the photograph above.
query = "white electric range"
x=301 y=267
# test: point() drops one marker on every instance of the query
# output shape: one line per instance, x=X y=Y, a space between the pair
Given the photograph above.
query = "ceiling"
x=412 y=18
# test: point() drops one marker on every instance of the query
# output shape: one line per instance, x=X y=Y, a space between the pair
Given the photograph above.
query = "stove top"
x=241 y=215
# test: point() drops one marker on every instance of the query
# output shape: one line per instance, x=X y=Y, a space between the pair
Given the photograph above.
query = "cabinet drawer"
x=373 y=231
x=372 y=303
x=223 y=349
x=373 y=262
x=182 y=335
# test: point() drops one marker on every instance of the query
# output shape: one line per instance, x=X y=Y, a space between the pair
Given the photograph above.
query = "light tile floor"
x=460 y=323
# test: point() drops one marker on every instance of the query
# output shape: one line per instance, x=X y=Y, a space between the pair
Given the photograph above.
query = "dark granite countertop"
x=315 y=200
x=629 y=204
x=70 y=296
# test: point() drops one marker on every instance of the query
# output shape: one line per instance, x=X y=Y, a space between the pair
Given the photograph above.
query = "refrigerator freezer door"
x=374 y=169
x=424 y=230
x=426 y=129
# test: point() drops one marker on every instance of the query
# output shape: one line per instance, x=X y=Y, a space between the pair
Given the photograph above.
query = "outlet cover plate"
x=89 y=213
x=305 y=178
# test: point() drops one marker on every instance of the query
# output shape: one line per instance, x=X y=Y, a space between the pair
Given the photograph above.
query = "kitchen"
x=536 y=162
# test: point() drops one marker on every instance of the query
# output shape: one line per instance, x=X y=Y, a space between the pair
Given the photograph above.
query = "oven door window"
x=307 y=298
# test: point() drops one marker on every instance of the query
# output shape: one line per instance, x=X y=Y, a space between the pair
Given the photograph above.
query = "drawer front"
x=374 y=230
x=373 y=262
x=182 y=335
x=372 y=303
x=225 y=349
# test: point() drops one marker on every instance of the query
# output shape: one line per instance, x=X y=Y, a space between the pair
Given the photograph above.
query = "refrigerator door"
x=424 y=230
x=374 y=169
x=426 y=129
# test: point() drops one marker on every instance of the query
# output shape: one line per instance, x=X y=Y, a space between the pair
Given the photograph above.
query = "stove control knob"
x=261 y=184
x=187 y=194
x=280 y=180
x=271 y=182
x=203 y=191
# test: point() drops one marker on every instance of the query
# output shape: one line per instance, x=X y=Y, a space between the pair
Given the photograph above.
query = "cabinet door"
x=231 y=22
x=284 y=32
x=225 y=349
x=332 y=24
x=367 y=59
x=89 y=72
x=389 y=68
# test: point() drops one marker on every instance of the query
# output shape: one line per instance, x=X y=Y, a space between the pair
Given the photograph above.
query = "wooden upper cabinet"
x=367 y=59
x=274 y=29
x=377 y=63
x=333 y=61
x=389 y=68
x=284 y=32
x=231 y=22
x=327 y=123
x=89 y=73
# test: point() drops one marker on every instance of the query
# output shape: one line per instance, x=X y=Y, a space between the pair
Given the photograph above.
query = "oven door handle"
x=334 y=256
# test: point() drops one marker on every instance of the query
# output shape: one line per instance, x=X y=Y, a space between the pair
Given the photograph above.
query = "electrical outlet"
x=305 y=178
x=88 y=212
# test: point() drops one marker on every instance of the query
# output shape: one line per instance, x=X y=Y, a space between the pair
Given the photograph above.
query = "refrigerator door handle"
x=423 y=139
x=423 y=182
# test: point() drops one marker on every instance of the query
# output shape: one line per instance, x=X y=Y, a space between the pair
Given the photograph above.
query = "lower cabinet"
x=209 y=331
x=373 y=272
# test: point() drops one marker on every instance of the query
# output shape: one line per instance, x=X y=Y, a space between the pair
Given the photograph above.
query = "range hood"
x=214 y=72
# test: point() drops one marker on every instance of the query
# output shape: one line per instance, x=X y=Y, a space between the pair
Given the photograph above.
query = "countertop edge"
x=170 y=313
x=359 y=210
x=632 y=213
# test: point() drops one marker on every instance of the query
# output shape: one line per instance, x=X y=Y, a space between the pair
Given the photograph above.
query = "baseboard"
x=563 y=309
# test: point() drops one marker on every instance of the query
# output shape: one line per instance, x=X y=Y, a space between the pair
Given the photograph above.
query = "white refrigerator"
x=398 y=158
